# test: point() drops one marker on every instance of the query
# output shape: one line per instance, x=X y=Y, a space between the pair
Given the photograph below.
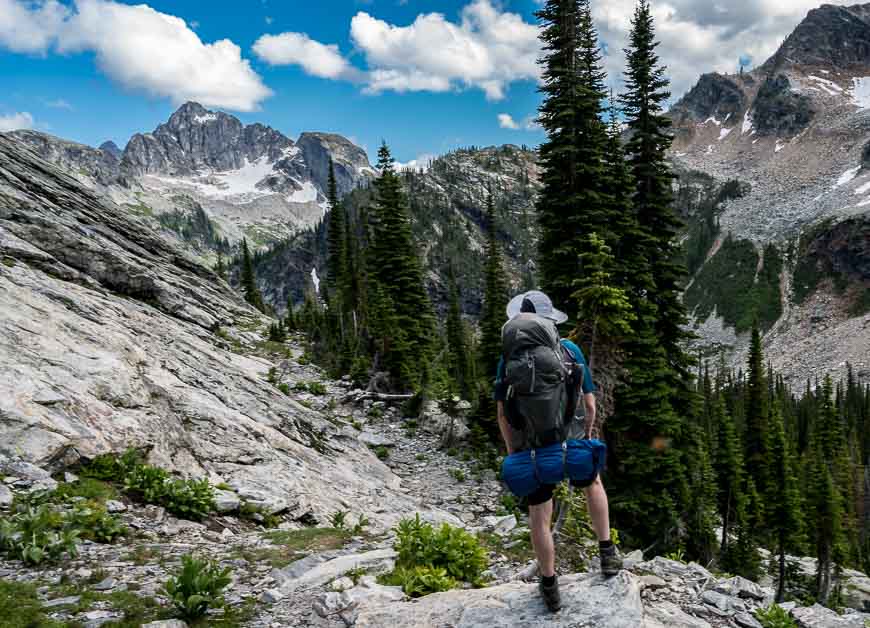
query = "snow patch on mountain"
x=308 y=194
x=829 y=87
x=861 y=92
x=847 y=176
x=203 y=119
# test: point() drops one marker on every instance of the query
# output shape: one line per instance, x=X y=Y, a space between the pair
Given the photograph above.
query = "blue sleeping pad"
x=579 y=461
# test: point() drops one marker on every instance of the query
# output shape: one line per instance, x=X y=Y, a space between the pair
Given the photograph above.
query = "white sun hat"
x=535 y=302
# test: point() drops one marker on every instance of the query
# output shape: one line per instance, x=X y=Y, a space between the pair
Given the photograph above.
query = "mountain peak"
x=829 y=36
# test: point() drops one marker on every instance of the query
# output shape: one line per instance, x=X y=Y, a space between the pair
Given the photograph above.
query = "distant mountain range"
x=793 y=136
x=251 y=180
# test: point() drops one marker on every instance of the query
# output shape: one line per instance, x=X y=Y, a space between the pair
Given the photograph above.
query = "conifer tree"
x=756 y=432
x=826 y=510
x=784 y=519
x=729 y=469
x=394 y=265
x=220 y=269
x=495 y=297
x=570 y=203
x=457 y=342
x=603 y=309
x=700 y=515
x=290 y=318
x=646 y=94
x=337 y=238
x=249 y=280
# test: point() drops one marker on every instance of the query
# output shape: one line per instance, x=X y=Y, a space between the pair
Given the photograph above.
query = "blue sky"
x=424 y=75
x=68 y=93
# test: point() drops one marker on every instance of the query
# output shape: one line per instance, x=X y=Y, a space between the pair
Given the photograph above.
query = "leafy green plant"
x=419 y=581
x=111 y=467
x=147 y=483
x=361 y=524
x=95 y=523
x=355 y=574
x=192 y=499
x=678 y=555
x=197 y=587
x=37 y=534
x=458 y=475
x=284 y=388
x=376 y=412
x=774 y=616
x=420 y=544
x=338 y=519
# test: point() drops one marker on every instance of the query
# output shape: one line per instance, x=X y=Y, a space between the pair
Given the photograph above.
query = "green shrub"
x=95 y=523
x=458 y=475
x=382 y=452
x=197 y=587
x=111 y=467
x=361 y=524
x=774 y=617
x=38 y=534
x=192 y=499
x=88 y=488
x=419 y=544
x=338 y=519
x=420 y=581
x=284 y=388
x=20 y=606
x=376 y=412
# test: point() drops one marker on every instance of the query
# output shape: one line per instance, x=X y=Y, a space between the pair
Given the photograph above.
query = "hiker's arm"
x=503 y=426
x=589 y=402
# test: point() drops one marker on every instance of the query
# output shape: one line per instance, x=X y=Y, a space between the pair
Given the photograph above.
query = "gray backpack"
x=536 y=376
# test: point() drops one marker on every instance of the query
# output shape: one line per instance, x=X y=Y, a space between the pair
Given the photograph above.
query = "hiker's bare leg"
x=542 y=539
x=599 y=512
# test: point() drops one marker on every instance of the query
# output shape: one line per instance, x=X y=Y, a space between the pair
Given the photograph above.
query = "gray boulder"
x=818 y=616
x=587 y=600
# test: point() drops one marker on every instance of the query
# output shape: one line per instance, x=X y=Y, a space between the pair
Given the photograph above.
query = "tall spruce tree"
x=604 y=311
x=570 y=203
x=756 y=433
x=457 y=342
x=337 y=235
x=729 y=469
x=784 y=518
x=646 y=94
x=394 y=265
x=495 y=297
x=249 y=280
x=220 y=268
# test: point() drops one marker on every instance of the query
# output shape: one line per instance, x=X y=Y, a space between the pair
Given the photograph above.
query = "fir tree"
x=603 y=310
x=643 y=102
x=784 y=518
x=249 y=280
x=729 y=469
x=457 y=343
x=755 y=435
x=571 y=201
x=495 y=297
x=290 y=318
x=395 y=267
x=220 y=269
x=700 y=515
x=337 y=238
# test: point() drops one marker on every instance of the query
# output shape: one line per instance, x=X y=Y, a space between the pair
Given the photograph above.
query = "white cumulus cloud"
x=487 y=49
x=506 y=121
x=699 y=36
x=139 y=48
x=322 y=60
x=16 y=121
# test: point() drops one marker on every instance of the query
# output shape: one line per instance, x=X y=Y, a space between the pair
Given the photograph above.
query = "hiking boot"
x=611 y=561
x=551 y=595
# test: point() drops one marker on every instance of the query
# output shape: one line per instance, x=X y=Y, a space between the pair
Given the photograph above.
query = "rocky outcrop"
x=96 y=165
x=350 y=161
x=107 y=341
x=830 y=36
x=715 y=95
x=112 y=149
x=778 y=110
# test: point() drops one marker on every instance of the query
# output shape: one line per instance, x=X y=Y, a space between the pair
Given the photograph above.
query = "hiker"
x=532 y=315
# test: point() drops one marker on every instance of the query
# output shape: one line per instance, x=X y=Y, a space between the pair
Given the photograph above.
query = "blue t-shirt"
x=588 y=386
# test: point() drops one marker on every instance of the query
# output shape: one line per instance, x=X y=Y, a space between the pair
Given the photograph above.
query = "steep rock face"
x=196 y=138
x=94 y=164
x=105 y=343
x=350 y=161
x=829 y=36
x=779 y=110
x=112 y=149
x=715 y=95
